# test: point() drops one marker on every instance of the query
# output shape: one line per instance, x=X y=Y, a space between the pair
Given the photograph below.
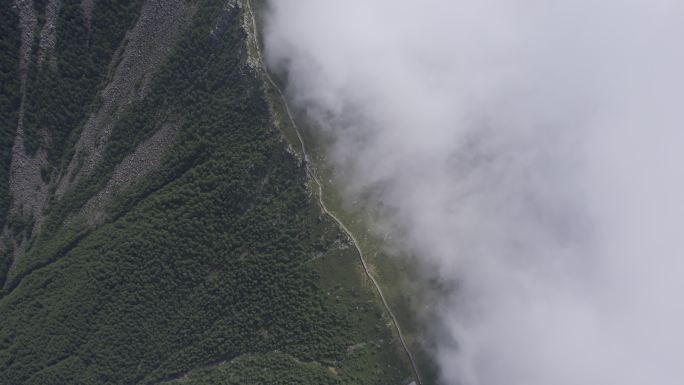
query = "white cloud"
x=532 y=152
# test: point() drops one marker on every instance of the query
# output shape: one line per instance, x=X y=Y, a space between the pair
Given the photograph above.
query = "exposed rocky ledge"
x=147 y=156
x=48 y=34
x=26 y=186
x=144 y=49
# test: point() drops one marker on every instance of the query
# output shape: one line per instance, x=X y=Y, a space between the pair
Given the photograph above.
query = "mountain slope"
x=170 y=232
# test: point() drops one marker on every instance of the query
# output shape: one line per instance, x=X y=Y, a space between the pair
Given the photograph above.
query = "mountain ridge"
x=190 y=238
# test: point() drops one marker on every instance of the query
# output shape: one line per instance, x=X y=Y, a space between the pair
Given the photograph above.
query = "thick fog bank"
x=531 y=152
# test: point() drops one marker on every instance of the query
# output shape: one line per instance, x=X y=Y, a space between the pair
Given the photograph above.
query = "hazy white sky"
x=530 y=150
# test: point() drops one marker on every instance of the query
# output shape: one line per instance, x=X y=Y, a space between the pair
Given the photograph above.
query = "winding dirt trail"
x=313 y=177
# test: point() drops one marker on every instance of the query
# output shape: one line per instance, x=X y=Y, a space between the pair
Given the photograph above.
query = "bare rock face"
x=48 y=35
x=143 y=50
x=28 y=190
x=27 y=23
x=147 y=156
x=87 y=6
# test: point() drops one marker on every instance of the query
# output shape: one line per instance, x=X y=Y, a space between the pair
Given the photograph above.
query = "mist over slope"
x=528 y=153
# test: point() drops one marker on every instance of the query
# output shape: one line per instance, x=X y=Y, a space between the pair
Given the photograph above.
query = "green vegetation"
x=396 y=274
x=219 y=254
x=58 y=97
x=9 y=109
x=271 y=368
x=9 y=95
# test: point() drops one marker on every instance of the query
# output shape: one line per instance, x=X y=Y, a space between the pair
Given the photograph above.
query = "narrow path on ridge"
x=313 y=177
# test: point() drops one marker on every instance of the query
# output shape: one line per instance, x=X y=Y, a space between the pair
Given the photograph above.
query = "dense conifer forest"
x=215 y=266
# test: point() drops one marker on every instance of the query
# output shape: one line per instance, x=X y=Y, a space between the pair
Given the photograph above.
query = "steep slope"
x=10 y=96
x=406 y=295
x=174 y=235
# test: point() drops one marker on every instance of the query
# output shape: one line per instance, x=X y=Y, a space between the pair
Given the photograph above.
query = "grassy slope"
x=396 y=274
x=219 y=255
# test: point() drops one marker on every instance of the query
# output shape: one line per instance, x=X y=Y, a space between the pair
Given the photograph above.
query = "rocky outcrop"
x=147 y=156
x=48 y=34
x=87 y=6
x=28 y=190
x=27 y=23
x=142 y=52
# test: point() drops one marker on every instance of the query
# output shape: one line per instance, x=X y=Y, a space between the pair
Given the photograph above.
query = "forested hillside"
x=156 y=225
x=9 y=105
